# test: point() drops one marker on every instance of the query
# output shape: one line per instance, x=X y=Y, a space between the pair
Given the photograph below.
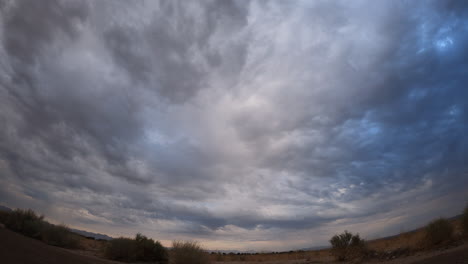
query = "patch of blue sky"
x=444 y=43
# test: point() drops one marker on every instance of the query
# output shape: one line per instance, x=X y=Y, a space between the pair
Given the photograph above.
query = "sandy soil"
x=457 y=255
x=18 y=249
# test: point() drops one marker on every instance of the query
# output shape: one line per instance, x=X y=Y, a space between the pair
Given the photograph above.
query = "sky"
x=244 y=125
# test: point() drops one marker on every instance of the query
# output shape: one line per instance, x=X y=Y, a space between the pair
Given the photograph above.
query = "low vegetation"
x=3 y=216
x=465 y=221
x=185 y=252
x=121 y=249
x=347 y=246
x=28 y=223
x=140 y=248
x=438 y=232
x=59 y=235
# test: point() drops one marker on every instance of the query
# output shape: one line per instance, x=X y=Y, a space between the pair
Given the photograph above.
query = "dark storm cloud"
x=32 y=22
x=173 y=38
x=232 y=120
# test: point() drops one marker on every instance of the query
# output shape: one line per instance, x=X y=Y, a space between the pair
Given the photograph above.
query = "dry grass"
x=59 y=235
x=140 y=248
x=347 y=246
x=409 y=240
x=438 y=232
x=187 y=252
x=30 y=224
x=92 y=247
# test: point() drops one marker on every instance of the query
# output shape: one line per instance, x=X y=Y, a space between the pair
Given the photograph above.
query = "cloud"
x=234 y=122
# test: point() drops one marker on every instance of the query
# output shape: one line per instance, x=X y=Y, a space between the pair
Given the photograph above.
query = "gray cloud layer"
x=242 y=124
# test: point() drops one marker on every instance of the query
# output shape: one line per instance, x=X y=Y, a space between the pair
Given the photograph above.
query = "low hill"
x=16 y=248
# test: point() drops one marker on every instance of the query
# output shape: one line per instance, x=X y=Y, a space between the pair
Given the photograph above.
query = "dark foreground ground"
x=18 y=249
x=459 y=256
x=454 y=255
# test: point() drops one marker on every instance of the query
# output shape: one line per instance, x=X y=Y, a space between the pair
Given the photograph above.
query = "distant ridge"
x=91 y=234
x=313 y=248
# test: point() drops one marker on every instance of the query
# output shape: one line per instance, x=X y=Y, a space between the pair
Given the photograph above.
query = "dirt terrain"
x=456 y=255
x=18 y=249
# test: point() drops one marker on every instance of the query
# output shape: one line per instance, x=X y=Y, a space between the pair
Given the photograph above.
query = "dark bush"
x=122 y=249
x=347 y=246
x=26 y=222
x=149 y=250
x=465 y=221
x=438 y=231
x=4 y=216
x=59 y=235
x=188 y=253
x=139 y=249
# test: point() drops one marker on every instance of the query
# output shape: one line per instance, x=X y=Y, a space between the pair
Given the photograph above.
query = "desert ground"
x=18 y=249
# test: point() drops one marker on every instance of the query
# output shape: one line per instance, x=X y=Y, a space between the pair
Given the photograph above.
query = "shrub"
x=139 y=249
x=59 y=235
x=4 y=216
x=188 y=253
x=347 y=246
x=26 y=222
x=122 y=249
x=465 y=221
x=149 y=250
x=438 y=231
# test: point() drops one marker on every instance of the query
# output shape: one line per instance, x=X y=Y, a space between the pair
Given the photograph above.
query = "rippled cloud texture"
x=264 y=125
